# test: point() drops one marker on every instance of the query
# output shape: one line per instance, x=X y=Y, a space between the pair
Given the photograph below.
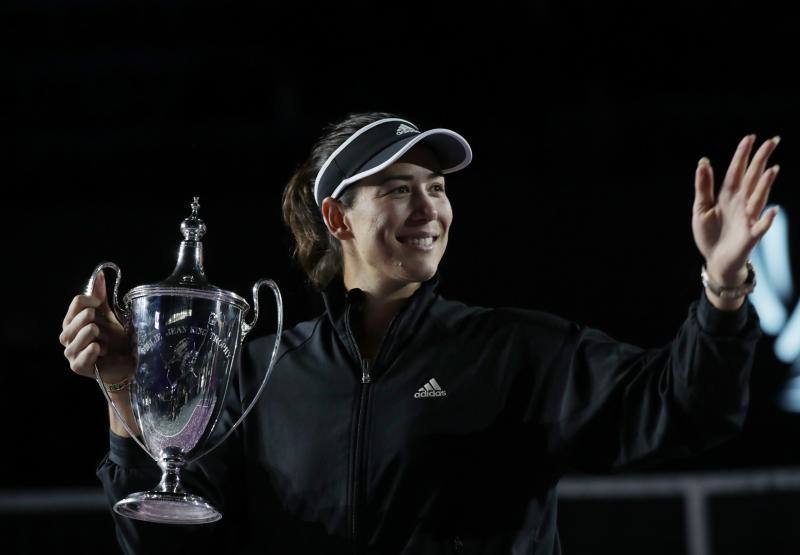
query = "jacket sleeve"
x=217 y=477
x=598 y=404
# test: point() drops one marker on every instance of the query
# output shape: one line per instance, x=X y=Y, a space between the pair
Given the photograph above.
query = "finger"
x=756 y=168
x=79 y=302
x=86 y=359
x=84 y=317
x=757 y=201
x=85 y=336
x=703 y=186
x=735 y=172
x=761 y=227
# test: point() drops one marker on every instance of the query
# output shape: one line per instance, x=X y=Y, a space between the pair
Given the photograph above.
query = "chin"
x=422 y=272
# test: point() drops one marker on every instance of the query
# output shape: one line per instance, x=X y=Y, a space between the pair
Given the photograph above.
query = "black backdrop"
x=586 y=124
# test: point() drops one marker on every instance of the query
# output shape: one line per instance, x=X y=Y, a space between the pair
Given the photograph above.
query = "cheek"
x=375 y=227
x=381 y=232
x=446 y=214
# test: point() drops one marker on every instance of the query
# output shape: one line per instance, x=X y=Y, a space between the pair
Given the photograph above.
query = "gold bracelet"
x=119 y=386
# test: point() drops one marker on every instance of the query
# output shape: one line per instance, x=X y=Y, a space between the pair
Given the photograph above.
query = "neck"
x=382 y=303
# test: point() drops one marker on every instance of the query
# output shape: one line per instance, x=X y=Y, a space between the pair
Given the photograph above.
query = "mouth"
x=424 y=242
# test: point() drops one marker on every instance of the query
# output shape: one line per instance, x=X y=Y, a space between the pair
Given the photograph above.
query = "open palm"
x=728 y=226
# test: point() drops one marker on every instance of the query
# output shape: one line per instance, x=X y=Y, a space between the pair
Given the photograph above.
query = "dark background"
x=586 y=123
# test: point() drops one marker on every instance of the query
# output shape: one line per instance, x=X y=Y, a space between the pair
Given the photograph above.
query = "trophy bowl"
x=187 y=334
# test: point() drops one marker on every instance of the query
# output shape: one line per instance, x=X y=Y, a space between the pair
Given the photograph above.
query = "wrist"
x=120 y=398
x=728 y=290
x=122 y=402
x=723 y=303
x=729 y=285
x=728 y=279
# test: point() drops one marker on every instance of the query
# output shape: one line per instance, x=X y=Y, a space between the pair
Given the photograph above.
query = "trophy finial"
x=189 y=269
x=193 y=228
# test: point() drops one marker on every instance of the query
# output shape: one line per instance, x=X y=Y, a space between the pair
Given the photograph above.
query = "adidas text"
x=419 y=394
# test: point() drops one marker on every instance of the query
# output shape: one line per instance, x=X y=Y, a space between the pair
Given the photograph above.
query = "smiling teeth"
x=425 y=242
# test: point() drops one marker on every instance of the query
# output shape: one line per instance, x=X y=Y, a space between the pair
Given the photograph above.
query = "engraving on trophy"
x=179 y=366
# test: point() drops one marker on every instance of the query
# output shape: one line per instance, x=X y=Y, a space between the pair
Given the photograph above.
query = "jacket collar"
x=337 y=299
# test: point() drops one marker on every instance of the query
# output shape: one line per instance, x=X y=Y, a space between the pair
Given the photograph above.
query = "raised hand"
x=727 y=226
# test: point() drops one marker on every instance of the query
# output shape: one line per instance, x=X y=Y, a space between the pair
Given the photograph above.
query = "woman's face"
x=399 y=223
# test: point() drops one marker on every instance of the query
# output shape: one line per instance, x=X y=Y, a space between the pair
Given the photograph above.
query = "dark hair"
x=317 y=251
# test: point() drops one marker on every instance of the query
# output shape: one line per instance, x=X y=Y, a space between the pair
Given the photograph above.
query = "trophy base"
x=167 y=508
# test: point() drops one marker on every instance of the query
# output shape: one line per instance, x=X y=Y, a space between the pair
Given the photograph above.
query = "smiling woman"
x=367 y=157
x=382 y=209
x=390 y=223
x=400 y=421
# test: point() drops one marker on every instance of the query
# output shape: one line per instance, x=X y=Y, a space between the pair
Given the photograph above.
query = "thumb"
x=761 y=227
x=704 y=186
x=99 y=287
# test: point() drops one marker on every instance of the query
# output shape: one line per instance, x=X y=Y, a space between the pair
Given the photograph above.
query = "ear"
x=333 y=215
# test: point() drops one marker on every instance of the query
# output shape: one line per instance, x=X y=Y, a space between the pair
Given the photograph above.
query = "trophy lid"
x=189 y=278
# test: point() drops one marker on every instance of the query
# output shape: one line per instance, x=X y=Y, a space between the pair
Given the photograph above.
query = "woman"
x=402 y=422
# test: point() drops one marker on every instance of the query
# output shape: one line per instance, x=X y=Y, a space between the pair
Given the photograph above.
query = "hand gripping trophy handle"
x=123 y=316
x=124 y=319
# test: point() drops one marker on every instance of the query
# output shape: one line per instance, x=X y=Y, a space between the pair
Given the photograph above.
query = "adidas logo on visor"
x=430 y=389
x=403 y=129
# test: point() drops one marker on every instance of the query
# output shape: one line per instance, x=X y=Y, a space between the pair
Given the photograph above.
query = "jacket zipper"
x=362 y=408
x=356 y=493
x=362 y=404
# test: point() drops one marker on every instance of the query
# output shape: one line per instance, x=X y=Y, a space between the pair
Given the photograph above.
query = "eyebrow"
x=406 y=177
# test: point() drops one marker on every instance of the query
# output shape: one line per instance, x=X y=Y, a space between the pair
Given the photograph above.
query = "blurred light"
x=787 y=344
x=774 y=289
x=775 y=248
x=771 y=297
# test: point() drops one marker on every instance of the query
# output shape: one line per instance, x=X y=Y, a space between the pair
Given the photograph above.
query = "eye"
x=438 y=187
x=400 y=187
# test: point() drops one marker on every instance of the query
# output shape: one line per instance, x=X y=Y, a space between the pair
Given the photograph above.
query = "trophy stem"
x=171 y=477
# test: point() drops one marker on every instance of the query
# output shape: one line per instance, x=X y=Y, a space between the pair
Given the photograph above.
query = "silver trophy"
x=187 y=335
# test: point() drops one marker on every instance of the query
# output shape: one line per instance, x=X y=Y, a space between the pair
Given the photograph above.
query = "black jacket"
x=453 y=439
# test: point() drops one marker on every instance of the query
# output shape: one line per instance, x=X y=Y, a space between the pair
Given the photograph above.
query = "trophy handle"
x=119 y=312
x=122 y=315
x=246 y=328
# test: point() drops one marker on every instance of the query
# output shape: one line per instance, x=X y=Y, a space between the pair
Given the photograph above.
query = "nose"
x=424 y=207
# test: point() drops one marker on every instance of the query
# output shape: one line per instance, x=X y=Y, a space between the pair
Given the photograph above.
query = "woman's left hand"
x=727 y=228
